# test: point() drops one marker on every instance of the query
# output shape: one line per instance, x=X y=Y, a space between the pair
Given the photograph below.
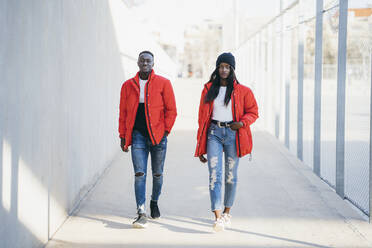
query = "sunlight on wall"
x=32 y=201
x=132 y=38
x=7 y=175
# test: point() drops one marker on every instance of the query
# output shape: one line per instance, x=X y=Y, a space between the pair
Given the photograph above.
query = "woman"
x=226 y=111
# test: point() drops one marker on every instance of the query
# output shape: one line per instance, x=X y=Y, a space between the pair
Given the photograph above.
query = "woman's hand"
x=202 y=159
x=236 y=125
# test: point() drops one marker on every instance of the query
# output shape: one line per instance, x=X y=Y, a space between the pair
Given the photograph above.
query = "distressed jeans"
x=222 y=139
x=141 y=147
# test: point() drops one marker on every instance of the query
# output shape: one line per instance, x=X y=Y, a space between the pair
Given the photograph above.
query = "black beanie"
x=226 y=58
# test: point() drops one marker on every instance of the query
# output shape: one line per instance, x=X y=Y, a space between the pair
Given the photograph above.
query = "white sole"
x=139 y=226
x=218 y=228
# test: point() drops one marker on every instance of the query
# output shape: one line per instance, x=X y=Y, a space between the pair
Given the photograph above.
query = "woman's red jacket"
x=160 y=107
x=244 y=109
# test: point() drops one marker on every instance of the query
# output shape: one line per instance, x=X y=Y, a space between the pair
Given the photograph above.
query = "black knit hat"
x=226 y=58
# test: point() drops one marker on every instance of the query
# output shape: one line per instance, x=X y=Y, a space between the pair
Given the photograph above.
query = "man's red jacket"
x=160 y=107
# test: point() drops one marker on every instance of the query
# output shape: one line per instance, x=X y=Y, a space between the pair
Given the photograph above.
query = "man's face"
x=145 y=62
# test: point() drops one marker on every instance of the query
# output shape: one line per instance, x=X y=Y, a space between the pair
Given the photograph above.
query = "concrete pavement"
x=279 y=203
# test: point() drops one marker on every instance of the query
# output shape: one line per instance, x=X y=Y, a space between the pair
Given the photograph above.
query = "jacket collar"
x=151 y=76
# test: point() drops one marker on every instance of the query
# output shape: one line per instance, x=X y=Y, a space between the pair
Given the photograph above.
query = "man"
x=147 y=114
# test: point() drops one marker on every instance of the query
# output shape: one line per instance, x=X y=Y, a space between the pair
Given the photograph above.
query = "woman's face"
x=224 y=70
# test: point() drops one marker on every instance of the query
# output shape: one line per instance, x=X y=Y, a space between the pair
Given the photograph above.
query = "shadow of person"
x=209 y=222
x=178 y=228
x=108 y=223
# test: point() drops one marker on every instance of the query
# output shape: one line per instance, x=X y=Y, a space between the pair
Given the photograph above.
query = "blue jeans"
x=141 y=147
x=222 y=139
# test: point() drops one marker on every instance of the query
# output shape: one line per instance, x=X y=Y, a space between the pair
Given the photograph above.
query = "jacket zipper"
x=238 y=129
x=148 y=115
x=152 y=135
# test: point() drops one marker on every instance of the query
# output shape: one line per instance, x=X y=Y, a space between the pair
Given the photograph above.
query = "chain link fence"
x=294 y=64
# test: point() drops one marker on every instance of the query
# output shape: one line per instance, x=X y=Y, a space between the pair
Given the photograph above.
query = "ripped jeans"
x=222 y=139
x=141 y=147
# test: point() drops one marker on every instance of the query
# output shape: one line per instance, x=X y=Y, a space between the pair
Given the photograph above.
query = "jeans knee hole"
x=139 y=174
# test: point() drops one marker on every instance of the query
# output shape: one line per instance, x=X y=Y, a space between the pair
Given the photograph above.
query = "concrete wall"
x=61 y=69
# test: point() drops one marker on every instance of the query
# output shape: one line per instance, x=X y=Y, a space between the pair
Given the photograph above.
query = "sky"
x=193 y=11
x=171 y=17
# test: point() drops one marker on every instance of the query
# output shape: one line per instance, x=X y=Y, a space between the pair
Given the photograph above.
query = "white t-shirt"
x=221 y=112
x=142 y=90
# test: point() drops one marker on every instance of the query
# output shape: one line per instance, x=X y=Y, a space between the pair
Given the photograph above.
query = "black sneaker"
x=155 y=213
x=141 y=221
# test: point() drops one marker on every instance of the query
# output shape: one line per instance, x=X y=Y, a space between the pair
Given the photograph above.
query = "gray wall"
x=60 y=78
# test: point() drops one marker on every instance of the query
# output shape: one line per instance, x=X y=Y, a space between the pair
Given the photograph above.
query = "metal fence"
x=310 y=68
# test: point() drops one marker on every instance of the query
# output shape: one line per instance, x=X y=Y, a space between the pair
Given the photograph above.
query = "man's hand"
x=166 y=133
x=122 y=145
x=236 y=125
x=202 y=159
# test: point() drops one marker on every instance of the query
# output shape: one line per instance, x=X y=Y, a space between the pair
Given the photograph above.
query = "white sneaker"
x=140 y=221
x=219 y=225
x=226 y=219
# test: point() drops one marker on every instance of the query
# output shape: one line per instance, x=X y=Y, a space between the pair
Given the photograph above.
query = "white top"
x=142 y=90
x=221 y=112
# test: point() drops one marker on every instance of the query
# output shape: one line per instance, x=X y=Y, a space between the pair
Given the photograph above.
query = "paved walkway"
x=279 y=202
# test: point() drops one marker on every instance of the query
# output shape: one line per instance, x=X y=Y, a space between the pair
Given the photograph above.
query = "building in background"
x=202 y=45
x=241 y=19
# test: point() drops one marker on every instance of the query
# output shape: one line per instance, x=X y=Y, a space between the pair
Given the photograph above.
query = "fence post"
x=341 y=78
x=300 y=95
x=370 y=150
x=318 y=85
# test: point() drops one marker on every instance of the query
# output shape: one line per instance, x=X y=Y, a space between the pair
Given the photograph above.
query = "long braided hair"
x=215 y=88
